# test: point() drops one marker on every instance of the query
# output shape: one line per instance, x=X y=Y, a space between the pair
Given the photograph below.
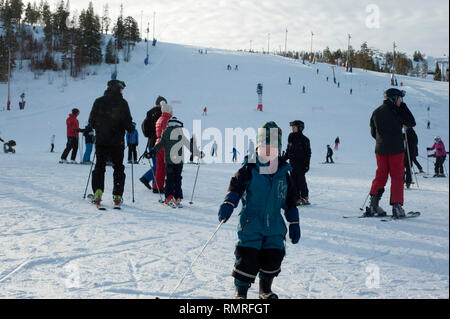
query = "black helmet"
x=116 y=84
x=75 y=111
x=299 y=124
x=392 y=94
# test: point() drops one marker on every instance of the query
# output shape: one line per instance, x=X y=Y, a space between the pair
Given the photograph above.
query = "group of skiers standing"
x=164 y=133
x=266 y=184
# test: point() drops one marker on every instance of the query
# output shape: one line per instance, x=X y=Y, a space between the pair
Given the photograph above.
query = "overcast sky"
x=237 y=24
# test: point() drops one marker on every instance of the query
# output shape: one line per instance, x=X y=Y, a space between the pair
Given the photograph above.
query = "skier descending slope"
x=110 y=117
x=265 y=188
x=386 y=128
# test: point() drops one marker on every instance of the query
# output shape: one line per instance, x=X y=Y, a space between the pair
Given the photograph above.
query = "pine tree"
x=3 y=60
x=424 y=68
x=437 y=73
x=106 y=21
x=91 y=37
x=110 y=55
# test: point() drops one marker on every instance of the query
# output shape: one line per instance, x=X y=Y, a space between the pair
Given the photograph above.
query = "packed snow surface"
x=54 y=244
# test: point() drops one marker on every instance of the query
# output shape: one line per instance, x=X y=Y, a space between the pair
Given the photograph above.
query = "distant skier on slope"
x=386 y=128
x=440 y=155
x=261 y=246
x=329 y=155
x=132 y=143
x=89 y=141
x=73 y=128
x=336 y=143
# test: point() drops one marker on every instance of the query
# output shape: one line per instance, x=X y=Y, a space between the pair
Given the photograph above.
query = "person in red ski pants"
x=386 y=126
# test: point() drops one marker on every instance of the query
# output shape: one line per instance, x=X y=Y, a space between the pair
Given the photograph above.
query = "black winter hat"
x=392 y=94
x=75 y=111
x=116 y=84
x=300 y=125
x=159 y=99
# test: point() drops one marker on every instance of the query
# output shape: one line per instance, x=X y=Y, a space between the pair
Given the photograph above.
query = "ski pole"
x=411 y=168
x=89 y=177
x=195 y=183
x=132 y=181
x=192 y=264
x=364 y=204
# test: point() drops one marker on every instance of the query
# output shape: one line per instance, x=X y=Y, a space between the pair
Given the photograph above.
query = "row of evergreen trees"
x=70 y=41
x=371 y=59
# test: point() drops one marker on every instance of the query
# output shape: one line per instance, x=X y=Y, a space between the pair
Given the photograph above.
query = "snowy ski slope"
x=56 y=245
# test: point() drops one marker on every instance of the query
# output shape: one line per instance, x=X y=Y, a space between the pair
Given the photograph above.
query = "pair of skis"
x=99 y=206
x=171 y=204
x=388 y=218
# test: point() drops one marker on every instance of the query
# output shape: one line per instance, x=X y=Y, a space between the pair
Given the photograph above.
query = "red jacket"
x=72 y=126
x=161 y=125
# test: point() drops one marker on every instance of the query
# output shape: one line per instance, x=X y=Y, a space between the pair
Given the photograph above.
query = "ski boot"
x=398 y=211
x=63 y=161
x=118 y=200
x=169 y=200
x=265 y=289
x=178 y=203
x=374 y=210
x=97 y=197
x=303 y=201
x=241 y=292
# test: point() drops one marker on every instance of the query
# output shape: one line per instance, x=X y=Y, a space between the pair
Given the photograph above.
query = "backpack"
x=146 y=127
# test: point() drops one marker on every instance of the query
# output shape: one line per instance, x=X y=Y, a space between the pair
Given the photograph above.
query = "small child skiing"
x=132 y=143
x=89 y=141
x=174 y=141
x=235 y=152
x=265 y=188
x=440 y=155
x=214 y=149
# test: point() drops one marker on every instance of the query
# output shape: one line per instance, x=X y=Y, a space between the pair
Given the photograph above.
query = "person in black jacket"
x=386 y=126
x=299 y=154
x=110 y=117
x=411 y=154
x=149 y=130
x=329 y=155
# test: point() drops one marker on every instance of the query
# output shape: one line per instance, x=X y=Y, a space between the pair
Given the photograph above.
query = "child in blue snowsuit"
x=265 y=187
x=132 y=143
x=89 y=140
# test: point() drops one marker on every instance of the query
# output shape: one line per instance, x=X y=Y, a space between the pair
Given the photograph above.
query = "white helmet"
x=437 y=138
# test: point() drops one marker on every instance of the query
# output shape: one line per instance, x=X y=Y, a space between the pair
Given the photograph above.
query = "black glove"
x=150 y=154
x=428 y=148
